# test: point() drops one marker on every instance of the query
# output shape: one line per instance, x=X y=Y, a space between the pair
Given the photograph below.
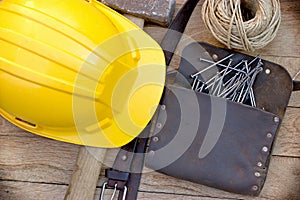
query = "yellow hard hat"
x=77 y=71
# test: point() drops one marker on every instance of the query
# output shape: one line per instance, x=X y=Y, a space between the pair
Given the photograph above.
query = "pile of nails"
x=231 y=82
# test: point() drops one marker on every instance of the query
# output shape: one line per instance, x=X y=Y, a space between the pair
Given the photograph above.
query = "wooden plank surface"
x=282 y=183
x=32 y=167
x=11 y=190
x=87 y=167
x=36 y=159
x=41 y=191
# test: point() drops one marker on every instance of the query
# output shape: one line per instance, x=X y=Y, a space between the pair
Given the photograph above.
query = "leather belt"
x=125 y=174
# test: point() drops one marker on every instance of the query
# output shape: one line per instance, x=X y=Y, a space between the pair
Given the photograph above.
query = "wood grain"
x=7 y=128
x=138 y=21
x=10 y=190
x=85 y=175
x=282 y=183
x=295 y=99
x=33 y=167
x=36 y=159
x=287 y=142
x=36 y=191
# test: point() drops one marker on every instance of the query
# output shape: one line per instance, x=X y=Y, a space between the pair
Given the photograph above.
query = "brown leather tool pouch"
x=230 y=149
x=214 y=141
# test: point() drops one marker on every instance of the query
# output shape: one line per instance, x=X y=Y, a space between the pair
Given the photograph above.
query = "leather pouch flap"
x=212 y=141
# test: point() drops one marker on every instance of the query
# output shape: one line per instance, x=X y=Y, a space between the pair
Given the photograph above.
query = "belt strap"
x=177 y=27
x=125 y=175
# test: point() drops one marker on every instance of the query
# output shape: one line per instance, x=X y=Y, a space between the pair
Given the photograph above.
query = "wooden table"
x=33 y=167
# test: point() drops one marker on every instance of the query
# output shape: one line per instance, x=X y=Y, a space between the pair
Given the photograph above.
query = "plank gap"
x=182 y=194
x=32 y=182
x=296 y=107
x=285 y=156
x=282 y=56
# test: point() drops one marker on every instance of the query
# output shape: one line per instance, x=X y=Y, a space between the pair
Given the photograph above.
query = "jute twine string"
x=242 y=24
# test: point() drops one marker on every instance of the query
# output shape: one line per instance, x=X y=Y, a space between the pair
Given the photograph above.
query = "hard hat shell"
x=77 y=71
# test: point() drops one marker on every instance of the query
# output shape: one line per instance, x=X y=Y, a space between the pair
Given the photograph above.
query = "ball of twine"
x=242 y=24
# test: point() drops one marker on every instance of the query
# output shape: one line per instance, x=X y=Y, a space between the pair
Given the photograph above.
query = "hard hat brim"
x=127 y=122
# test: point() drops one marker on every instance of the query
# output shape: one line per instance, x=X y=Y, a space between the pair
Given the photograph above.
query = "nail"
x=241 y=93
x=251 y=82
x=214 y=83
x=201 y=88
x=212 y=62
x=209 y=67
x=227 y=72
x=252 y=98
x=197 y=85
x=194 y=82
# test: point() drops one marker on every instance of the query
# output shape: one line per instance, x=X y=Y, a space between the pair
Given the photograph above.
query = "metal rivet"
x=276 y=119
x=254 y=187
x=155 y=139
x=265 y=149
x=268 y=71
x=215 y=57
x=158 y=125
x=151 y=153
x=163 y=107
x=259 y=164
x=269 y=135
x=124 y=157
x=257 y=174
